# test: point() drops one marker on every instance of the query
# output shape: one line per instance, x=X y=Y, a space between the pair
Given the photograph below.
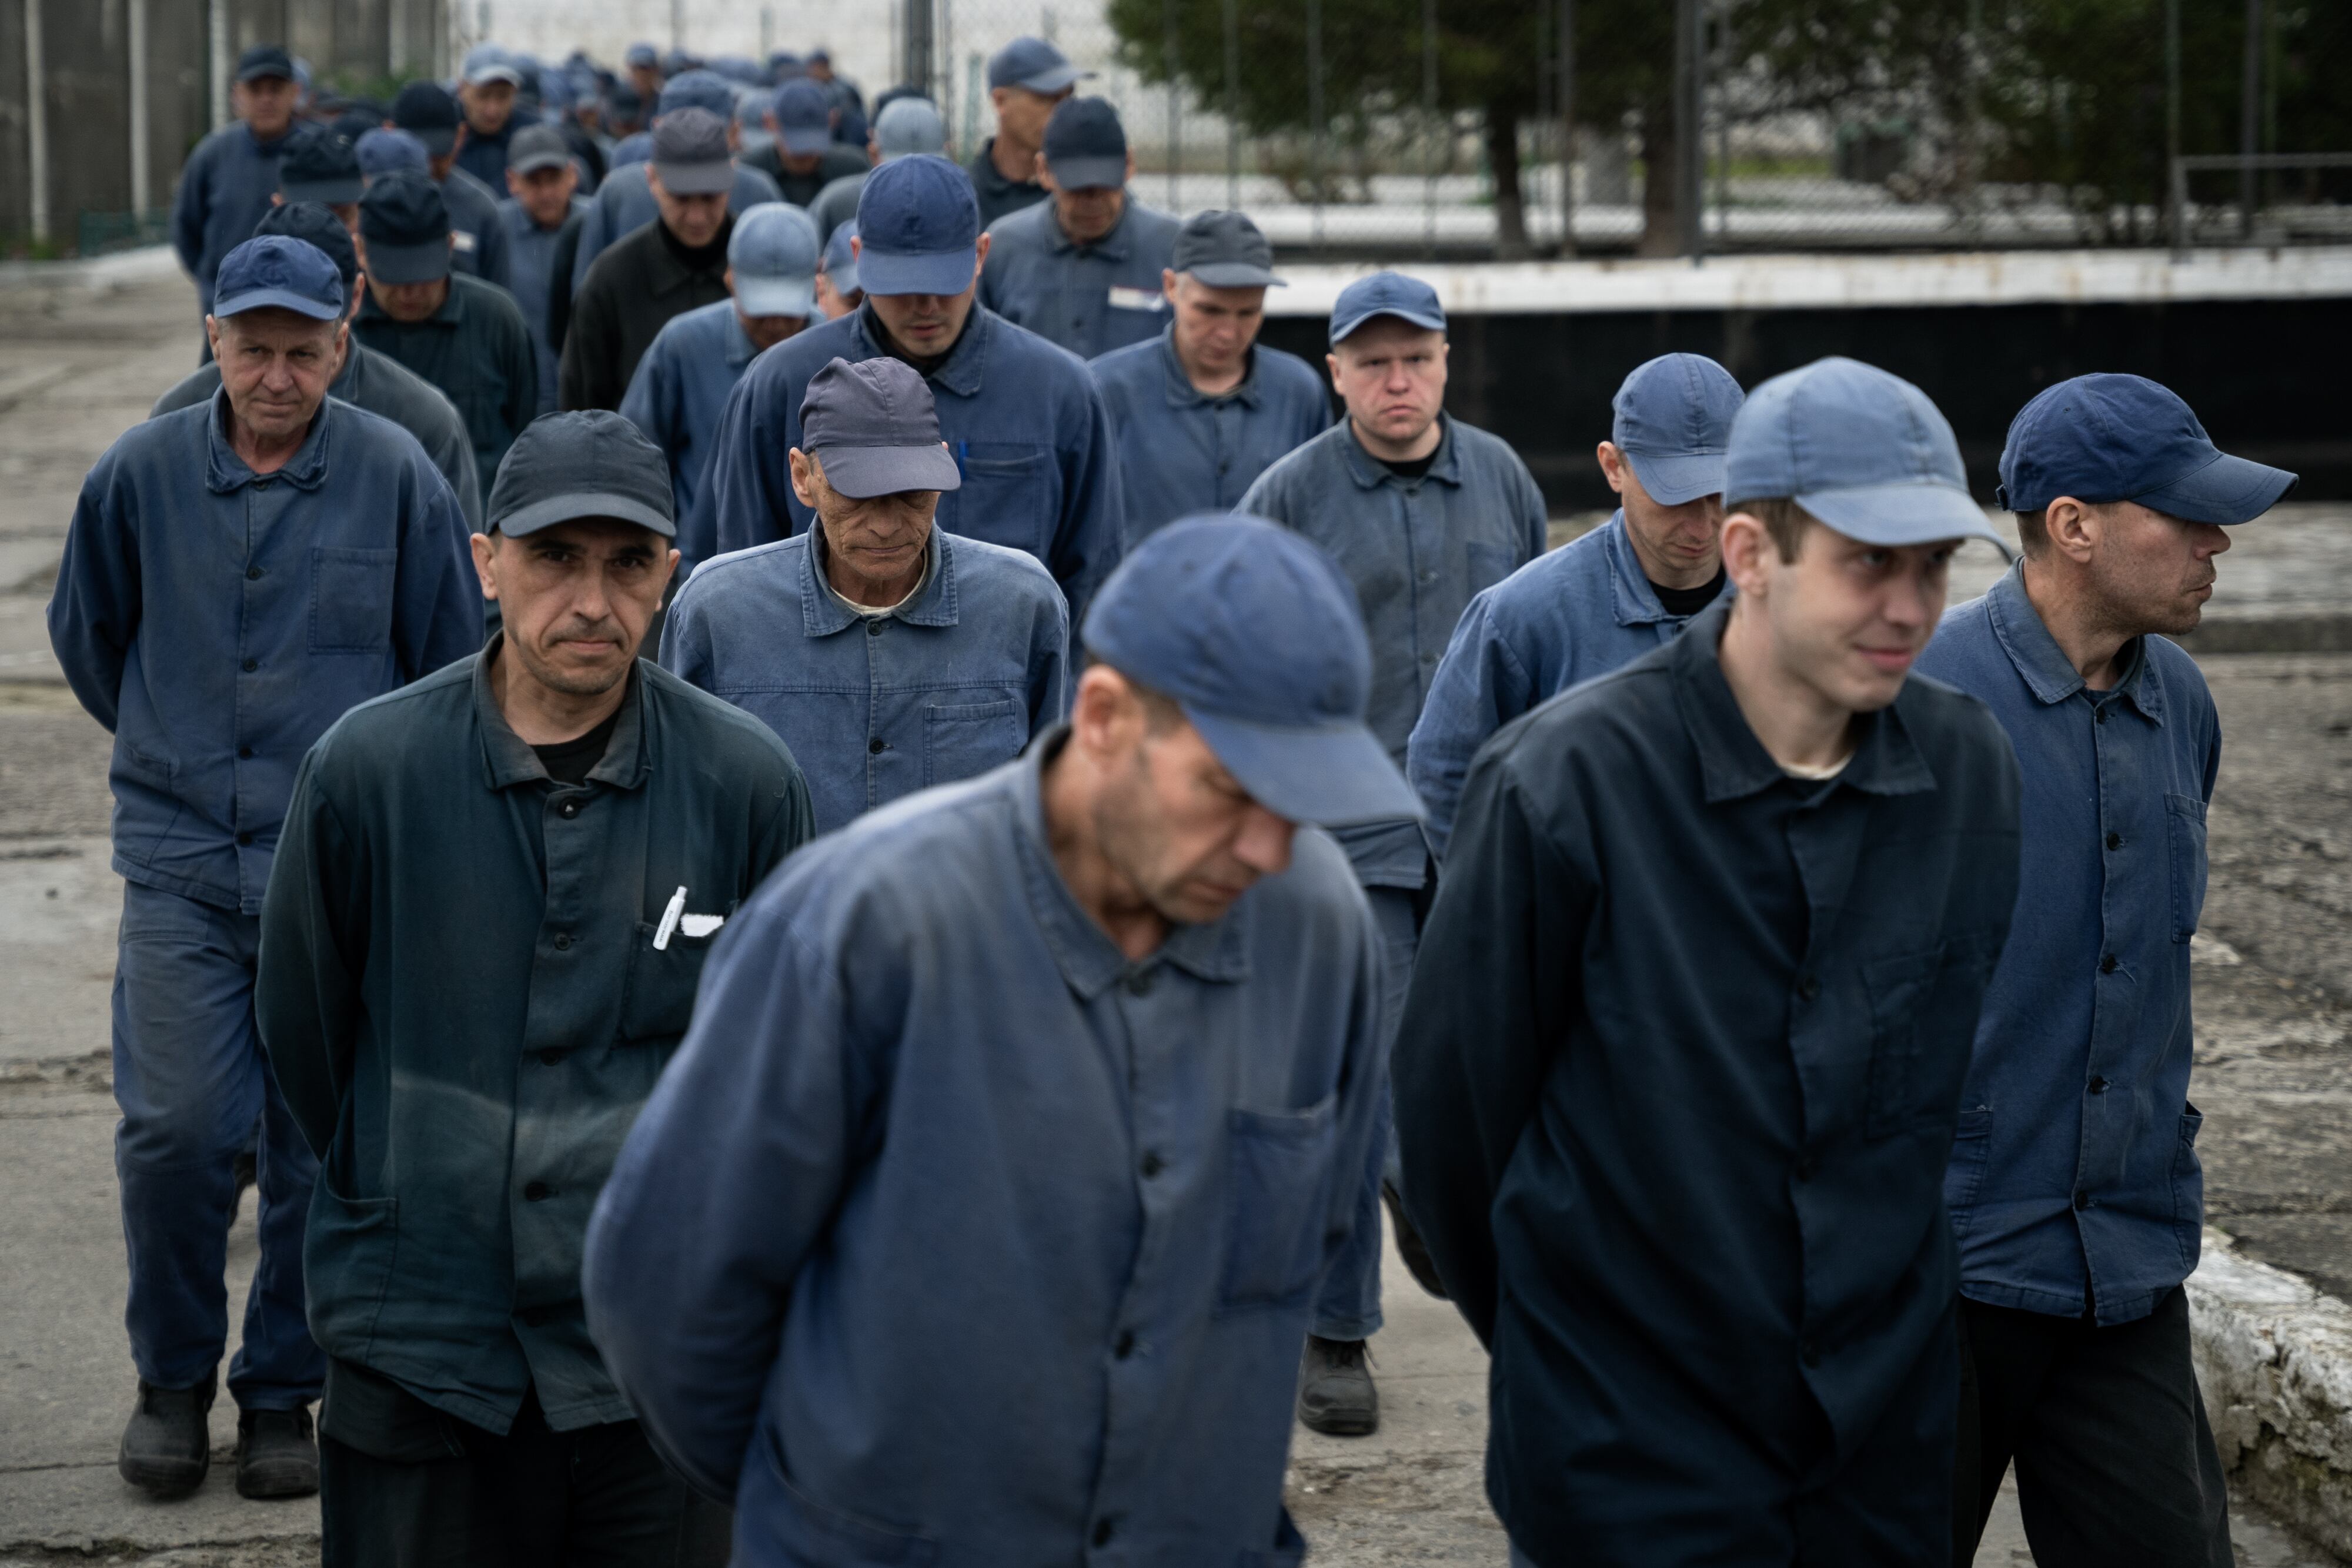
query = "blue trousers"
x=192 y=1083
x=1348 y=1305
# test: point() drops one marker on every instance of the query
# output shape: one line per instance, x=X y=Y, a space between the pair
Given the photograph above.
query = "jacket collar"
x=1733 y=763
x=2044 y=665
x=667 y=269
x=824 y=613
x=451 y=313
x=1090 y=962
x=1112 y=246
x=508 y=759
x=1633 y=597
x=1183 y=393
x=226 y=472
x=1368 y=472
x=962 y=372
x=990 y=178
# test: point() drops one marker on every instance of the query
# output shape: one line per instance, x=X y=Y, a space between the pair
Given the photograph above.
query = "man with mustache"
x=2074 y=1186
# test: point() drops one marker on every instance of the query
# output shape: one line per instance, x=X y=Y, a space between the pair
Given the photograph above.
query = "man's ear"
x=2074 y=529
x=1613 y=464
x=486 y=555
x=1745 y=545
x=805 y=473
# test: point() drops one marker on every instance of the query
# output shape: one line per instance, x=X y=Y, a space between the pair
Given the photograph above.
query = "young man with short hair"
x=1679 y=1073
x=2075 y=1192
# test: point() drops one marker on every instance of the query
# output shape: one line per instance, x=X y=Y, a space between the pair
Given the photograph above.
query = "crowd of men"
x=858 y=1026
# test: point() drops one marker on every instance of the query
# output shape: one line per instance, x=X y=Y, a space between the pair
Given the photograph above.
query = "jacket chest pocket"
x=1489 y=564
x=2184 y=831
x=1923 y=1015
x=967 y=741
x=658 y=1000
x=1008 y=496
x=1280 y=1171
x=350 y=600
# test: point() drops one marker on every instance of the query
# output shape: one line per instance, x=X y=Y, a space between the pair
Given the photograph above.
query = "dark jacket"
x=800 y=190
x=478 y=350
x=999 y=195
x=478 y=242
x=633 y=291
x=224 y=191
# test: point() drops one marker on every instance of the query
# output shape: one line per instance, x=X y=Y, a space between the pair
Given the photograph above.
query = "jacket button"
x=2098 y=1085
x=244 y=841
x=2115 y=841
x=251 y=665
x=1126 y=1346
x=1151 y=1163
x=569 y=808
x=563 y=940
x=1808 y=988
x=253 y=574
x=1103 y=1532
x=1140 y=985
x=877 y=745
x=2101 y=714
x=1810 y=1353
x=536 y=1190
x=873 y=625
x=550 y=1057
x=244 y=752
x=2108 y=964
x=2082 y=1198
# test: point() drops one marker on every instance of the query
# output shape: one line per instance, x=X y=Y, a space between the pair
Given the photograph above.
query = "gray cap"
x=536 y=147
x=875 y=429
x=591 y=463
x=690 y=153
x=1224 y=250
x=908 y=126
x=773 y=255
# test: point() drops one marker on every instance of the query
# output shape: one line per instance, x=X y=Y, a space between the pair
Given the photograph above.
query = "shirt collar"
x=508 y=759
x=2048 y=673
x=1089 y=960
x=1183 y=393
x=1734 y=764
x=226 y=472
x=1368 y=472
x=1631 y=596
x=991 y=179
x=1112 y=246
x=962 y=372
x=823 y=612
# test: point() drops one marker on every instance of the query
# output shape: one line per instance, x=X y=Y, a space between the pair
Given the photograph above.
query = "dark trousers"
x=2116 y=1464
x=407 y=1485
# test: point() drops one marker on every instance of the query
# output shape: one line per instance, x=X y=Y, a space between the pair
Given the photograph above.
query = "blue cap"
x=2126 y=438
x=1086 y=146
x=840 y=261
x=804 y=111
x=277 y=272
x=264 y=61
x=697 y=89
x=1386 y=294
x=640 y=56
x=428 y=112
x=1256 y=636
x=383 y=152
x=1032 y=64
x=488 y=62
x=1673 y=421
x=875 y=428
x=773 y=254
x=319 y=166
x=1861 y=449
x=918 y=228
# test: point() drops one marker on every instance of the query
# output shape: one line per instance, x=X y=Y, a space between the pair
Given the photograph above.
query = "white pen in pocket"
x=669 y=920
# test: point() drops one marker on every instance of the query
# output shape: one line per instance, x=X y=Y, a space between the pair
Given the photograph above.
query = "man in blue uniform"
x=1085 y=268
x=1026 y=79
x=625 y=204
x=1421 y=512
x=1018 y=1118
x=236 y=575
x=227 y=183
x=1610 y=597
x=541 y=184
x=477 y=240
x=922 y=658
x=1204 y=409
x=488 y=94
x=1028 y=427
x=2075 y=1191
x=1681 y=1065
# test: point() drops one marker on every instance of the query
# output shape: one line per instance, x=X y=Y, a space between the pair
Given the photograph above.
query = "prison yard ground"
x=83 y=350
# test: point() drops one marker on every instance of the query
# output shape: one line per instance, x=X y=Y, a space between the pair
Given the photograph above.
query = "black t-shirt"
x=570 y=761
x=1689 y=601
x=1412 y=467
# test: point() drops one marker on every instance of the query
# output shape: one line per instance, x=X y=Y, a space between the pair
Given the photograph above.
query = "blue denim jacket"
x=952 y=1236
x=1418 y=550
x=946 y=686
x=624 y=204
x=1183 y=451
x=1023 y=417
x=224 y=191
x=676 y=397
x=1578 y=612
x=2074 y=1184
x=217 y=622
x=1090 y=298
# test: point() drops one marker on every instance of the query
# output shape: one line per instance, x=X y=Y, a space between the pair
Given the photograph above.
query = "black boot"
x=167 y=1447
x=1335 y=1397
x=276 y=1454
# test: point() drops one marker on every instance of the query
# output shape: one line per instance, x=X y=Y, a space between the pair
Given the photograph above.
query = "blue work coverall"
x=1091 y=298
x=224 y=190
x=530 y=262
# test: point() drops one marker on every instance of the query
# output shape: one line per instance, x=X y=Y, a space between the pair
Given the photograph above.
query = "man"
x=903 y=128
x=961 y=648
x=217 y=620
x=670 y=267
x=1422 y=512
x=1601 y=602
x=2074 y=1186
x=363 y=378
x=542 y=186
x=803 y=159
x=479 y=948
x=643 y=63
x=477 y=240
x=837 y=293
x=1202 y=410
x=819 y=67
x=1026 y=79
x=319 y=166
x=626 y=202
x=680 y=387
x=1696 y=999
x=456 y=332
x=226 y=186
x=1023 y=418
x=487 y=94
x=1029 y=1109
x=1084 y=269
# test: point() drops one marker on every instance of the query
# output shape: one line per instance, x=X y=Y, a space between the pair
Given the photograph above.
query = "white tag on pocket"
x=1136 y=299
x=460 y=240
x=700 y=925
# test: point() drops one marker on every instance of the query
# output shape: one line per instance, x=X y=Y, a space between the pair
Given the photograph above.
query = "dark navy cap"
x=319 y=166
x=1859 y=448
x=918 y=228
x=428 y=112
x=873 y=428
x=697 y=89
x=1086 y=146
x=1032 y=64
x=1672 y=424
x=264 y=61
x=1258 y=636
x=1386 y=294
x=639 y=55
x=537 y=147
x=279 y=272
x=840 y=262
x=1224 y=250
x=406 y=223
x=309 y=222
x=690 y=153
x=382 y=152
x=2126 y=438
x=589 y=464
x=803 y=112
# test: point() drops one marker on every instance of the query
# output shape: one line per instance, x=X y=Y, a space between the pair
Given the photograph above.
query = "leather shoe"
x=1335 y=1397
x=277 y=1453
x=168 y=1448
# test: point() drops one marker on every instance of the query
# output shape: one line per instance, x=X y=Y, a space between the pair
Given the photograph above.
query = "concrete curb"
x=102 y=272
x=2274 y=1356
